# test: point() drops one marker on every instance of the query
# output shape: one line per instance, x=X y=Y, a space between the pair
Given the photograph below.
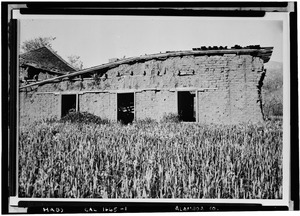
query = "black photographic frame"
x=9 y=95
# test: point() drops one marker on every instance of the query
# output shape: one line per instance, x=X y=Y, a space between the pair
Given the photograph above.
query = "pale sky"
x=97 y=40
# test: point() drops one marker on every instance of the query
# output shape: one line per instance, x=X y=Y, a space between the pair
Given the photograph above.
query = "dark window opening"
x=186 y=106
x=125 y=107
x=68 y=104
x=32 y=73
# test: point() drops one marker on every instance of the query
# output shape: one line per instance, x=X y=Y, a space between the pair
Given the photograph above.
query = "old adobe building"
x=216 y=85
x=41 y=64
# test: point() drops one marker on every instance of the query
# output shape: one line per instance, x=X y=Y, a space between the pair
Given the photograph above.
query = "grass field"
x=150 y=160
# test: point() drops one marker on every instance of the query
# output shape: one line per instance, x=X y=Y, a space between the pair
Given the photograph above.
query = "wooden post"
x=116 y=106
x=176 y=100
x=60 y=105
x=77 y=102
x=197 y=106
x=134 y=106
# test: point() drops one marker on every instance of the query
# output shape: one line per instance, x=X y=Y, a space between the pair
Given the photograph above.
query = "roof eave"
x=264 y=53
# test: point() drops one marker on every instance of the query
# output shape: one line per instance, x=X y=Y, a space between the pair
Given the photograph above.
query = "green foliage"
x=146 y=121
x=39 y=42
x=83 y=117
x=273 y=91
x=36 y=43
x=75 y=61
x=155 y=160
x=96 y=78
x=273 y=103
x=171 y=118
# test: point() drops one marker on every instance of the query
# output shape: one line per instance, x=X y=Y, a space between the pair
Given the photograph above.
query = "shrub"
x=170 y=118
x=273 y=93
x=145 y=121
x=84 y=117
x=273 y=105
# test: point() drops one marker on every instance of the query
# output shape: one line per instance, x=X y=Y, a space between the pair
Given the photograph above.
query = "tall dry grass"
x=150 y=160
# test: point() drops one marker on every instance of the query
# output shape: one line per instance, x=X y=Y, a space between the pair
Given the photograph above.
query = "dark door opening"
x=186 y=106
x=68 y=104
x=125 y=107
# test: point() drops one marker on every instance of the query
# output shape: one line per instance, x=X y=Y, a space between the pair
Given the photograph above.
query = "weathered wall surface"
x=100 y=104
x=229 y=88
x=236 y=99
x=208 y=73
x=45 y=75
x=33 y=107
x=155 y=104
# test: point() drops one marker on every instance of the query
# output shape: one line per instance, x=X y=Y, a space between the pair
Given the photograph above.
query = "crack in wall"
x=259 y=88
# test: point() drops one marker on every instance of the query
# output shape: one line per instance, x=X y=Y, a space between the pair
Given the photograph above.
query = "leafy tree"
x=36 y=43
x=75 y=61
x=273 y=90
x=39 y=42
x=273 y=103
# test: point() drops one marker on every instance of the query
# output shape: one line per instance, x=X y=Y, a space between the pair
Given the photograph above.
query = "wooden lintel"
x=56 y=93
x=151 y=89
x=130 y=90
x=95 y=91
x=123 y=91
x=190 y=89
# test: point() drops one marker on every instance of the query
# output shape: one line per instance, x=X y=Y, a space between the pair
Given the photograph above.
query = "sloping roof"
x=46 y=59
x=263 y=52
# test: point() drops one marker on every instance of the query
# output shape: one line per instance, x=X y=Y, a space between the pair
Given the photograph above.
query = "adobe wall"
x=100 y=104
x=227 y=89
x=236 y=99
x=33 y=107
x=155 y=104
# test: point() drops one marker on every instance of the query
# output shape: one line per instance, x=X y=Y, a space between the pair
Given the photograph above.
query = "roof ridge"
x=60 y=58
x=31 y=51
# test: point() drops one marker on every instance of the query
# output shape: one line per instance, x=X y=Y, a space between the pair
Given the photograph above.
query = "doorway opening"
x=125 y=107
x=68 y=104
x=187 y=106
